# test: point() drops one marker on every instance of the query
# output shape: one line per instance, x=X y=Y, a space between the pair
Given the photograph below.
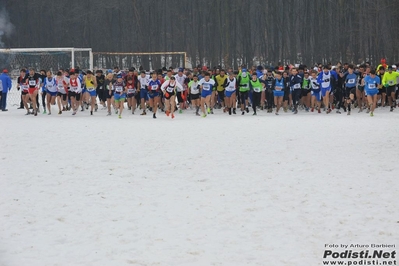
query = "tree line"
x=215 y=32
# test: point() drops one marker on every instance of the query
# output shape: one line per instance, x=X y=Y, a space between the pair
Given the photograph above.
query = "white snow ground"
x=240 y=190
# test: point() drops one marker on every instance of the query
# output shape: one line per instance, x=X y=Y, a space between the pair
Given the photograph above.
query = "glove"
x=386 y=85
x=166 y=94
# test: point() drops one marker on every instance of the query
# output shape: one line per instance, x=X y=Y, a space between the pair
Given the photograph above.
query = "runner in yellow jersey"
x=220 y=81
x=91 y=84
x=389 y=81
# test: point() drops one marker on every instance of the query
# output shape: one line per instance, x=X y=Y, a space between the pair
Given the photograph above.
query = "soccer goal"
x=45 y=58
x=147 y=61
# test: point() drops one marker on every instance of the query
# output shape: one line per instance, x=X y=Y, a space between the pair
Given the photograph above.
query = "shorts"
x=92 y=93
x=194 y=96
x=243 y=96
x=229 y=93
x=317 y=94
x=119 y=97
x=84 y=90
x=221 y=95
x=305 y=92
x=130 y=95
x=349 y=91
x=108 y=96
x=74 y=94
x=324 y=91
x=169 y=95
x=52 y=93
x=32 y=90
x=24 y=92
x=153 y=94
x=144 y=94
x=360 y=88
x=382 y=90
x=63 y=96
x=391 y=89
x=371 y=92
x=278 y=93
x=206 y=93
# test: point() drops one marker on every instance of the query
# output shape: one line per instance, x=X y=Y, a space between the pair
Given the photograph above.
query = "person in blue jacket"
x=296 y=86
x=5 y=87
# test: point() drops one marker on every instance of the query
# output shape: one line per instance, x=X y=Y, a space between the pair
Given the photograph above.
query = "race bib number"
x=118 y=88
x=90 y=89
x=131 y=91
x=74 y=88
x=278 y=88
x=372 y=86
x=297 y=86
x=154 y=87
x=351 y=81
x=391 y=83
x=169 y=89
x=25 y=87
x=206 y=87
x=32 y=82
x=256 y=89
x=49 y=86
x=325 y=84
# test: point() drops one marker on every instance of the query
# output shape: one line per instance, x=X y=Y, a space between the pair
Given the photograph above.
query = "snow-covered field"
x=239 y=190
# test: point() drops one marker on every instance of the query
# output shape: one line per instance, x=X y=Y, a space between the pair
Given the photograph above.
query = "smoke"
x=6 y=27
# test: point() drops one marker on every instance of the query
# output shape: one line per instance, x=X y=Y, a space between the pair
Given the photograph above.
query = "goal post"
x=149 y=61
x=53 y=59
x=46 y=58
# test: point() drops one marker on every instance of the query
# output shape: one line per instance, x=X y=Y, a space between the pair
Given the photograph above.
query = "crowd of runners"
x=322 y=88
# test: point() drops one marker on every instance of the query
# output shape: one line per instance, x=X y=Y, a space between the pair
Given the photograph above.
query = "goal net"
x=45 y=58
x=42 y=58
x=146 y=61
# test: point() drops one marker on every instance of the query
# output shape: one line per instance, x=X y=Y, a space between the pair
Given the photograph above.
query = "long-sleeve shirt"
x=390 y=78
x=5 y=83
x=296 y=82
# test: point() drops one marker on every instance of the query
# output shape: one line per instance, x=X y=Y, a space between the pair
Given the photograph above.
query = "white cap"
x=316 y=68
x=394 y=66
x=333 y=67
